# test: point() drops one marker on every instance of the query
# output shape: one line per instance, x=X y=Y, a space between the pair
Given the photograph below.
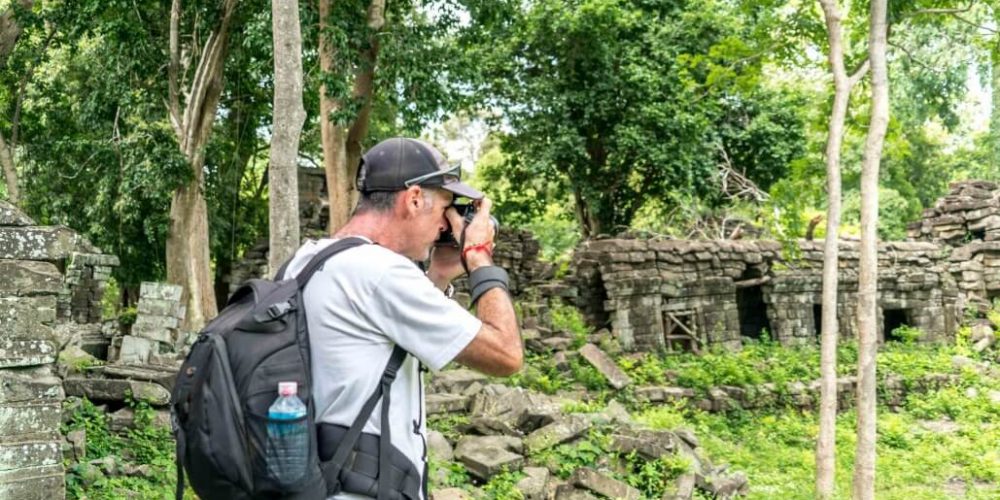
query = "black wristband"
x=485 y=278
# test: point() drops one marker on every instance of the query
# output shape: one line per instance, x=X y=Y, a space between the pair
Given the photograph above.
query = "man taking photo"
x=372 y=301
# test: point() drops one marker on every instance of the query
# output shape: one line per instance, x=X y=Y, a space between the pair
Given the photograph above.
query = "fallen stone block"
x=681 y=489
x=450 y=494
x=103 y=389
x=438 y=446
x=646 y=443
x=534 y=486
x=486 y=462
x=446 y=403
x=606 y=366
x=160 y=291
x=468 y=444
x=456 y=381
x=558 y=432
x=526 y=410
x=604 y=485
x=724 y=486
x=135 y=350
x=163 y=375
x=570 y=492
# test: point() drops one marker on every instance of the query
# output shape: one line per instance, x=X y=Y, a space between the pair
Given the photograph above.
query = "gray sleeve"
x=418 y=317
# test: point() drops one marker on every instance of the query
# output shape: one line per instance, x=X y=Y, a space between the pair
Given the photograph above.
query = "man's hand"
x=479 y=232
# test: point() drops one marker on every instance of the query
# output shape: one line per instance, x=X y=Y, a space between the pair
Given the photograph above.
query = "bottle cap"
x=288 y=388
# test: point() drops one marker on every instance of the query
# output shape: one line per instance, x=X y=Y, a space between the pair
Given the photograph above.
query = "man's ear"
x=413 y=199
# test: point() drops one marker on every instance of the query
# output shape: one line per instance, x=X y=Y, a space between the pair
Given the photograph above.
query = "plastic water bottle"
x=287 y=436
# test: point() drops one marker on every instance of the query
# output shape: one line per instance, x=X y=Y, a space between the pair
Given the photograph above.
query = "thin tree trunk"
x=864 y=459
x=333 y=136
x=188 y=258
x=994 y=131
x=342 y=146
x=9 y=172
x=289 y=115
x=825 y=444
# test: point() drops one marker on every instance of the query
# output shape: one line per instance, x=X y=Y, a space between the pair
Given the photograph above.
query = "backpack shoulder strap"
x=332 y=468
x=320 y=258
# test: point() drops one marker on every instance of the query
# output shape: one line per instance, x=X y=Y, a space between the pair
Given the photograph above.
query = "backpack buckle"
x=273 y=312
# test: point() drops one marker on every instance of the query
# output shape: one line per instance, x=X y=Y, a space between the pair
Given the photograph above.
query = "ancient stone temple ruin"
x=51 y=284
x=676 y=294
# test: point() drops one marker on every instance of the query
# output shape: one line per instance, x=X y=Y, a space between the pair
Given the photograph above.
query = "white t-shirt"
x=359 y=305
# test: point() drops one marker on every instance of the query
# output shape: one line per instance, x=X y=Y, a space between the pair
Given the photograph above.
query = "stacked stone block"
x=30 y=393
x=970 y=211
x=156 y=329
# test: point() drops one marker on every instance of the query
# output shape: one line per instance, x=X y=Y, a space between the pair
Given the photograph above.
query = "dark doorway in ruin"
x=891 y=320
x=753 y=311
x=818 y=319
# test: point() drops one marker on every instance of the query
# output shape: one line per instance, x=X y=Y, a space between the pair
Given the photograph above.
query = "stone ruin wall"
x=719 y=292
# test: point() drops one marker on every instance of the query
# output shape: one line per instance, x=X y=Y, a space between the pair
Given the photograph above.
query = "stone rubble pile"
x=508 y=425
x=970 y=210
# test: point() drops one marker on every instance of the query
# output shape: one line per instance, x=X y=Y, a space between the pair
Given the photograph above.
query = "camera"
x=467 y=212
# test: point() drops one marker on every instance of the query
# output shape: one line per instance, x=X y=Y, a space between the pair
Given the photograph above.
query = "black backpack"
x=220 y=400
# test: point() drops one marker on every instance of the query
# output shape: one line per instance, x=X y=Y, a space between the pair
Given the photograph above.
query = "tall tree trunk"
x=9 y=171
x=188 y=258
x=864 y=459
x=342 y=145
x=825 y=444
x=289 y=114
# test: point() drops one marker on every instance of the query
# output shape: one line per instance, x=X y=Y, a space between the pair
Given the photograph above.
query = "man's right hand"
x=479 y=231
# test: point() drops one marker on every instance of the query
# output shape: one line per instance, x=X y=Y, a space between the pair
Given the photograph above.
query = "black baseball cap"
x=398 y=163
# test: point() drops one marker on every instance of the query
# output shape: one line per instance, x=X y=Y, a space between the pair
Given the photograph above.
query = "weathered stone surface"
x=29 y=384
x=558 y=432
x=33 y=418
x=25 y=277
x=160 y=291
x=456 y=381
x=117 y=390
x=158 y=328
x=681 y=489
x=163 y=375
x=724 y=486
x=135 y=350
x=485 y=462
x=525 y=410
x=591 y=480
x=469 y=444
x=450 y=494
x=26 y=317
x=39 y=243
x=33 y=483
x=19 y=353
x=10 y=215
x=77 y=440
x=439 y=447
x=604 y=364
x=647 y=443
x=570 y=492
x=21 y=454
x=446 y=403
x=534 y=486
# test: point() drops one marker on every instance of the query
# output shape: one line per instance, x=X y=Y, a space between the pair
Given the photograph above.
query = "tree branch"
x=859 y=73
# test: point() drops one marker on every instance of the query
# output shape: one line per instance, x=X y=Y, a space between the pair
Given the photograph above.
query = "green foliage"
x=652 y=477
x=612 y=103
x=568 y=319
x=146 y=444
x=503 y=486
